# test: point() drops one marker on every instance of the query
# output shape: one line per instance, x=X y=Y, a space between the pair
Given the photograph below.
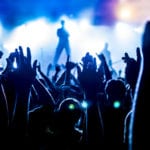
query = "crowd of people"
x=90 y=110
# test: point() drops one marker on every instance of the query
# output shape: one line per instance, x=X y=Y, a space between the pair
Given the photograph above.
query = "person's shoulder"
x=59 y=29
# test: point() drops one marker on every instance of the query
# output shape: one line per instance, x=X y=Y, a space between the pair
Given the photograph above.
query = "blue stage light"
x=84 y=104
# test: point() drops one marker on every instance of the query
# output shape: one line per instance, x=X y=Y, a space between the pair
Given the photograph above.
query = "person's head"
x=115 y=91
x=62 y=22
x=146 y=40
x=70 y=110
x=126 y=57
x=106 y=45
x=147 y=30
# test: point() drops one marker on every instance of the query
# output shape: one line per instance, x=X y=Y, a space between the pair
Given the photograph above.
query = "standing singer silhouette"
x=63 y=42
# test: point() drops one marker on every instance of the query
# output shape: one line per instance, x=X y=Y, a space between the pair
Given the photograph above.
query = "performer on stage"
x=63 y=42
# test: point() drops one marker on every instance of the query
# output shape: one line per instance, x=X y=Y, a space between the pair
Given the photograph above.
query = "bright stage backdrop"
x=90 y=24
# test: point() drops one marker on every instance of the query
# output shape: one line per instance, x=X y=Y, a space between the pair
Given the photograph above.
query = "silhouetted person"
x=107 y=54
x=115 y=110
x=132 y=69
x=63 y=42
x=139 y=125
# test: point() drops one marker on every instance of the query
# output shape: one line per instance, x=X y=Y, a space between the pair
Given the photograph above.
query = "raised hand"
x=21 y=80
x=24 y=74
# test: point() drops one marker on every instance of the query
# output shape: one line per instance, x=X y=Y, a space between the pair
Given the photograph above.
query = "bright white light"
x=15 y=64
x=40 y=35
x=17 y=37
x=139 y=29
x=123 y=30
x=84 y=37
x=125 y=13
x=33 y=34
x=84 y=25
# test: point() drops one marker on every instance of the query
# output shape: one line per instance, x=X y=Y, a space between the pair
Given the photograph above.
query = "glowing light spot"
x=71 y=106
x=15 y=64
x=123 y=30
x=125 y=13
x=116 y=104
x=84 y=104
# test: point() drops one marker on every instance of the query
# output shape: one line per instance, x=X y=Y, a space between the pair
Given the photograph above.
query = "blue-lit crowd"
x=89 y=109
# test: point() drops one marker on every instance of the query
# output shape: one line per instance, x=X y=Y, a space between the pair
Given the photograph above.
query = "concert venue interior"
x=90 y=24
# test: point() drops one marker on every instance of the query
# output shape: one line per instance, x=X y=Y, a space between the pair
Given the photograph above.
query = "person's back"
x=131 y=71
x=69 y=135
x=114 y=114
